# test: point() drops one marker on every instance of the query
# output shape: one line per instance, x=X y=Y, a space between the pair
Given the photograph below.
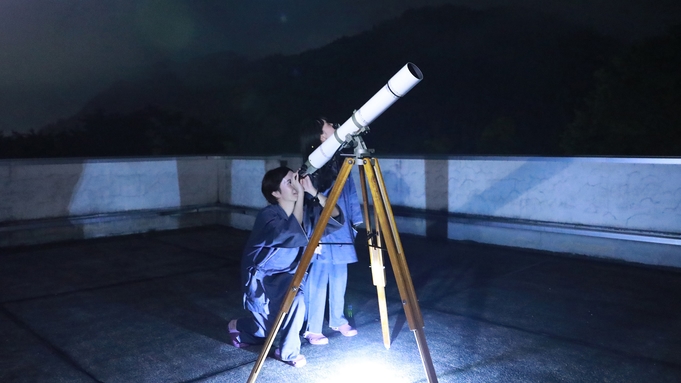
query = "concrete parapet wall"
x=636 y=194
x=618 y=208
x=39 y=189
x=590 y=206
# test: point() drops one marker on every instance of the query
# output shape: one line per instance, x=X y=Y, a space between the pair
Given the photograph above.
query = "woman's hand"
x=295 y=183
x=306 y=183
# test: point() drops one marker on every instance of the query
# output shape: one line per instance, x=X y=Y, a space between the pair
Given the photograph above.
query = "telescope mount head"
x=361 y=150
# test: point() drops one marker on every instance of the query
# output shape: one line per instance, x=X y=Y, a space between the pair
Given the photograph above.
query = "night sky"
x=56 y=54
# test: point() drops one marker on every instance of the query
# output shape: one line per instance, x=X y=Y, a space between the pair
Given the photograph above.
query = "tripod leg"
x=398 y=261
x=376 y=258
x=303 y=265
x=378 y=274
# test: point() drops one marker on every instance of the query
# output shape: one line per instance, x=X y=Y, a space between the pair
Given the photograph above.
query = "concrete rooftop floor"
x=155 y=307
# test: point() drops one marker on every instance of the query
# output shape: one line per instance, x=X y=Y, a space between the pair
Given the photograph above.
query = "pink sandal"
x=234 y=335
x=316 y=339
x=346 y=330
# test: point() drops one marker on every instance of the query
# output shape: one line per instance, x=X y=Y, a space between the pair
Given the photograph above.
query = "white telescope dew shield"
x=401 y=83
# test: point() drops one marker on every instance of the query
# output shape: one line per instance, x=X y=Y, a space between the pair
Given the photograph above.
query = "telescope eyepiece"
x=303 y=171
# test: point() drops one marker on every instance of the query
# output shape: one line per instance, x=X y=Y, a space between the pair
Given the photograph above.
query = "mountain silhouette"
x=497 y=81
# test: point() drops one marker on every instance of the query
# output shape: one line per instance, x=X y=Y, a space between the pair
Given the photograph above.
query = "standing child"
x=329 y=268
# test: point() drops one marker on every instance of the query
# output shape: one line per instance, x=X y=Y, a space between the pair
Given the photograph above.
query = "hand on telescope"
x=295 y=182
x=298 y=206
x=309 y=188
x=306 y=184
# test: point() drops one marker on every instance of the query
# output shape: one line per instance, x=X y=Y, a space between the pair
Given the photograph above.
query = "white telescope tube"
x=401 y=83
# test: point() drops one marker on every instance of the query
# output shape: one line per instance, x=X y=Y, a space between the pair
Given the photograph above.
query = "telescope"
x=401 y=83
x=385 y=235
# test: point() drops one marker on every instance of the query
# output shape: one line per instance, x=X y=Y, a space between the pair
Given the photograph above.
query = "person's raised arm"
x=298 y=207
x=309 y=188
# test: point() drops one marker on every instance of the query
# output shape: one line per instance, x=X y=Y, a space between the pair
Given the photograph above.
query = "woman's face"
x=327 y=131
x=287 y=191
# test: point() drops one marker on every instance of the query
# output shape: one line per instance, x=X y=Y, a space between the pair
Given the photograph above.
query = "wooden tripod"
x=385 y=224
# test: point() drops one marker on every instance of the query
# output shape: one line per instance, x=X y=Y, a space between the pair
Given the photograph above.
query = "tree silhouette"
x=636 y=107
x=149 y=131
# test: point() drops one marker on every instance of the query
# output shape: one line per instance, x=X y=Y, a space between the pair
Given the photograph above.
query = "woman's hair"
x=310 y=132
x=271 y=182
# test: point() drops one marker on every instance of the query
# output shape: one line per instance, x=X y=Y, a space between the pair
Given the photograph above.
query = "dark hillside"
x=501 y=81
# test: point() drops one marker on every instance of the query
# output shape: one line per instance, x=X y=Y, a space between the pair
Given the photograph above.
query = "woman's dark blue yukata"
x=269 y=262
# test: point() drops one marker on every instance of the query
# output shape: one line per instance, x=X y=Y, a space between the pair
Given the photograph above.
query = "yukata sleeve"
x=333 y=224
x=276 y=230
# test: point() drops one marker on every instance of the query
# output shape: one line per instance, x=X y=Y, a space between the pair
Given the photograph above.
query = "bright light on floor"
x=363 y=370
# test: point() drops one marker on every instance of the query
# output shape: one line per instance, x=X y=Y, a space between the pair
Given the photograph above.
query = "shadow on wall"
x=437 y=196
x=123 y=197
x=504 y=189
x=499 y=187
x=32 y=192
x=199 y=184
x=107 y=188
x=421 y=184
